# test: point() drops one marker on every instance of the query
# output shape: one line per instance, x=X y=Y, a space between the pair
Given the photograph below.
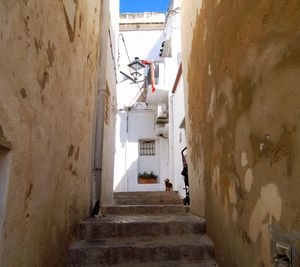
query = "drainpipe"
x=100 y=102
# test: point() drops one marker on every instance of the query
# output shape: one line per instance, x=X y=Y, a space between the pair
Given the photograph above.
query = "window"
x=147 y=147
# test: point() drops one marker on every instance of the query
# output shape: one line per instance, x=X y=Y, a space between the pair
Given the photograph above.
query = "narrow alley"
x=150 y=133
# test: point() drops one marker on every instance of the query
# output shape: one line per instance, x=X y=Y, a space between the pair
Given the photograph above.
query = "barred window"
x=147 y=147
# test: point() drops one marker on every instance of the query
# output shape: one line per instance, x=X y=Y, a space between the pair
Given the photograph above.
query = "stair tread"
x=145 y=241
x=205 y=263
x=148 y=197
x=146 y=205
x=145 y=209
x=127 y=219
x=147 y=192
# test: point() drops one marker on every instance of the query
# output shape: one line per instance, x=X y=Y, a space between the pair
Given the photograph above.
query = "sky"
x=143 y=6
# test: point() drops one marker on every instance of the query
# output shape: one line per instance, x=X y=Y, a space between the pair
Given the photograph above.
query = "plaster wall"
x=144 y=44
x=179 y=139
x=176 y=100
x=120 y=170
x=144 y=18
x=241 y=69
x=133 y=124
x=110 y=108
x=48 y=78
x=132 y=127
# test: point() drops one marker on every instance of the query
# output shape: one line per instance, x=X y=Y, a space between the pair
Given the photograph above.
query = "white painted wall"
x=134 y=125
x=179 y=139
x=141 y=44
x=176 y=101
x=131 y=127
x=120 y=171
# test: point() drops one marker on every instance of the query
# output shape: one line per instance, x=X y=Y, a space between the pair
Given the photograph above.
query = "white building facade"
x=150 y=125
x=141 y=135
x=174 y=83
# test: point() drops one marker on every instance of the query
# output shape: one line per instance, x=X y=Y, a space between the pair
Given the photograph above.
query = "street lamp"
x=134 y=67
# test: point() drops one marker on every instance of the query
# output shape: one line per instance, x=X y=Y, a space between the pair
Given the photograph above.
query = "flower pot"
x=147 y=180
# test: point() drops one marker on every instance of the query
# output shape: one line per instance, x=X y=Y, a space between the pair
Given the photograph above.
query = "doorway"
x=5 y=163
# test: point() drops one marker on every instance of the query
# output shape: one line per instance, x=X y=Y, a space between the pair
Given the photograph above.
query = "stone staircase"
x=143 y=229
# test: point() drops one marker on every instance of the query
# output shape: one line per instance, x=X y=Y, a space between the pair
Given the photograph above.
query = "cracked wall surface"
x=48 y=77
x=242 y=75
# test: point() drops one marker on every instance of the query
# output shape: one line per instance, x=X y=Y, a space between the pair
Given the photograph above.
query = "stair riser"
x=148 y=194
x=118 y=255
x=130 y=201
x=205 y=263
x=106 y=230
x=149 y=197
x=144 y=210
x=142 y=198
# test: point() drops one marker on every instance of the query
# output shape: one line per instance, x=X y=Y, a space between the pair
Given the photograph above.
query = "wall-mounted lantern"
x=134 y=67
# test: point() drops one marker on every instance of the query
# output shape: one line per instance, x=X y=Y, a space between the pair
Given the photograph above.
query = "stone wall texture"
x=242 y=74
x=48 y=77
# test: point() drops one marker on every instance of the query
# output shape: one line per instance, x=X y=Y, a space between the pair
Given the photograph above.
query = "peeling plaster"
x=256 y=78
x=205 y=32
x=70 y=6
x=209 y=70
x=216 y=179
x=70 y=10
x=233 y=196
x=234 y=215
x=38 y=62
x=261 y=146
x=269 y=203
x=244 y=160
x=226 y=90
x=210 y=112
x=248 y=180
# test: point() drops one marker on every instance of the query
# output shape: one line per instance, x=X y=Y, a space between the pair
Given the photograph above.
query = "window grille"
x=147 y=147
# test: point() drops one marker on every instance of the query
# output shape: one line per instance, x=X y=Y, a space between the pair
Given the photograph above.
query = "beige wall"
x=48 y=77
x=111 y=105
x=242 y=72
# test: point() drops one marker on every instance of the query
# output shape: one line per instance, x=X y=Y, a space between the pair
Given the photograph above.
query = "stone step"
x=141 y=225
x=147 y=198
x=131 y=201
x=144 y=209
x=205 y=263
x=148 y=193
x=141 y=250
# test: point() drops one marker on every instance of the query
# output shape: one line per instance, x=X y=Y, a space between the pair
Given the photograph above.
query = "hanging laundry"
x=152 y=73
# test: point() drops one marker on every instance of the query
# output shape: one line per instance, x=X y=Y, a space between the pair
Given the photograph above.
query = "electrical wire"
x=125 y=46
x=140 y=89
x=112 y=55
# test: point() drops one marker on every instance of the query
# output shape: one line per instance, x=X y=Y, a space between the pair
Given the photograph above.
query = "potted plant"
x=147 y=178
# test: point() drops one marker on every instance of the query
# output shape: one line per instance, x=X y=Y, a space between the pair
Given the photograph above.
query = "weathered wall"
x=48 y=76
x=242 y=71
x=110 y=108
